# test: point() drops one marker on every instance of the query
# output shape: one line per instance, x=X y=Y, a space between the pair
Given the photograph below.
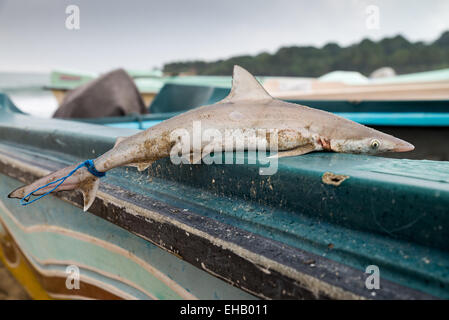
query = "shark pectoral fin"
x=294 y=152
x=118 y=140
x=89 y=189
x=141 y=166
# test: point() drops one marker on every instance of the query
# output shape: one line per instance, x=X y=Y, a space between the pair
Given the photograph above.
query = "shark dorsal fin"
x=245 y=87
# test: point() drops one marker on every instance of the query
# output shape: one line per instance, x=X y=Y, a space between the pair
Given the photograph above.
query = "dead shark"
x=300 y=130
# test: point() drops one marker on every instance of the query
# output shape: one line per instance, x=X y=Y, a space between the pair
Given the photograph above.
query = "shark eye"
x=375 y=144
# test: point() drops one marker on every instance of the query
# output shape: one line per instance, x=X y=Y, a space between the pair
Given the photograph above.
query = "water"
x=27 y=92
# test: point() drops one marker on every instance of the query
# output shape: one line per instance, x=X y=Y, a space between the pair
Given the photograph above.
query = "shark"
x=299 y=130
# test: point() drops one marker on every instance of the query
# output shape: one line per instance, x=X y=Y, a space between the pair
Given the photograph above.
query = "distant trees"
x=365 y=57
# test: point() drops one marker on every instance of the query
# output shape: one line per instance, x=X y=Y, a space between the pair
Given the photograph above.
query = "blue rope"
x=89 y=164
x=91 y=168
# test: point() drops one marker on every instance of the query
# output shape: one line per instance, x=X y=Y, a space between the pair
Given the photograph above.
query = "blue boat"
x=317 y=229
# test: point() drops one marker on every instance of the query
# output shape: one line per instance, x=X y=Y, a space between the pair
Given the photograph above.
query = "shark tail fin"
x=89 y=188
x=76 y=177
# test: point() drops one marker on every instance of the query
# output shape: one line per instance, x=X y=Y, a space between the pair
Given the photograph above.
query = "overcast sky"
x=142 y=34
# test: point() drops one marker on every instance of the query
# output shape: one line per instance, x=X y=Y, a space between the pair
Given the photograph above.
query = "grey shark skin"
x=300 y=130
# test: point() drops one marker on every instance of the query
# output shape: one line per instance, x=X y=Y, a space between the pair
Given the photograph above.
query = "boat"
x=353 y=86
x=148 y=82
x=398 y=91
x=336 y=85
x=61 y=82
x=314 y=230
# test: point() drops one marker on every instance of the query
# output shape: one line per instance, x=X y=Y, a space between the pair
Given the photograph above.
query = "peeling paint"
x=333 y=179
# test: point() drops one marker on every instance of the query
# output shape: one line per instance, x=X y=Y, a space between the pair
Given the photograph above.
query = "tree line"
x=307 y=61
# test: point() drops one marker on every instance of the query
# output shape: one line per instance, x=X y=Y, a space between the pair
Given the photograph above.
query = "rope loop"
x=89 y=164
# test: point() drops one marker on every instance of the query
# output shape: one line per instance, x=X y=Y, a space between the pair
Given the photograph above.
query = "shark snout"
x=403 y=146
